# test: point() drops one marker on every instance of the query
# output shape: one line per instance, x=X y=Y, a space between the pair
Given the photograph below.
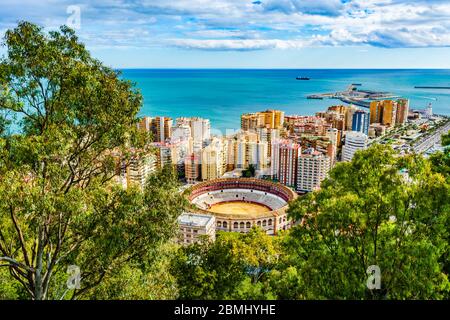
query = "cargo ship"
x=303 y=78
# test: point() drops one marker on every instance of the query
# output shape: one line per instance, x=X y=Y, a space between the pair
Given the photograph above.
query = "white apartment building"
x=166 y=153
x=251 y=152
x=139 y=168
x=312 y=169
x=182 y=132
x=200 y=131
x=214 y=159
x=354 y=141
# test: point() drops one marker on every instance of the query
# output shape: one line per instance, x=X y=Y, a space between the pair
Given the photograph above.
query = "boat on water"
x=303 y=78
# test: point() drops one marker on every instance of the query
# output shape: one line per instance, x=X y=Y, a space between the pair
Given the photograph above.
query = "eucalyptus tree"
x=59 y=206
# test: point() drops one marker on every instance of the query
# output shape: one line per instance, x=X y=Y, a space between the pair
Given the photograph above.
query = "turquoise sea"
x=222 y=95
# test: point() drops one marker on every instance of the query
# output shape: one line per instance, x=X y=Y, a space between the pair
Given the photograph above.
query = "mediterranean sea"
x=222 y=95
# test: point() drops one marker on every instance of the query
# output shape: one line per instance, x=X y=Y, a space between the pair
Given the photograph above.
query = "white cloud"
x=247 y=24
x=241 y=45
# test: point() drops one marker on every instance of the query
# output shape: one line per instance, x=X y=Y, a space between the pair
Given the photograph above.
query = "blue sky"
x=251 y=33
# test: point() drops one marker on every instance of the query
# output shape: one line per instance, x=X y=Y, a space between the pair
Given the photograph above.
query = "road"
x=425 y=144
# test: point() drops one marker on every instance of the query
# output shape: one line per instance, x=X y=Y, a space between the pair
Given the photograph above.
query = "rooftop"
x=194 y=219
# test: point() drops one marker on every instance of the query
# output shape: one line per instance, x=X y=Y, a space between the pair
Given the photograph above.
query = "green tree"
x=59 y=204
x=249 y=172
x=380 y=209
x=140 y=281
x=232 y=267
x=441 y=160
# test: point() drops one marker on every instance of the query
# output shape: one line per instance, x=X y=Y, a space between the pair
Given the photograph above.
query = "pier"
x=431 y=87
x=354 y=96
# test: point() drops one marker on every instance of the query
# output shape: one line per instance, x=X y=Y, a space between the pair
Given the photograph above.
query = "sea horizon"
x=223 y=94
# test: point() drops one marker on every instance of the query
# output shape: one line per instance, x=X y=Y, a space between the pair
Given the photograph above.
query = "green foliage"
x=140 y=281
x=59 y=204
x=249 y=172
x=229 y=268
x=441 y=160
x=446 y=139
x=368 y=213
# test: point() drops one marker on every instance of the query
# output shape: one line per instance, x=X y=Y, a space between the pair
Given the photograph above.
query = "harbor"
x=355 y=96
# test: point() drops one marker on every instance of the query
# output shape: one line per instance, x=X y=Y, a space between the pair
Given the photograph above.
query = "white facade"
x=312 y=169
x=354 y=141
x=194 y=225
x=181 y=132
x=251 y=152
x=201 y=132
x=139 y=168
x=214 y=160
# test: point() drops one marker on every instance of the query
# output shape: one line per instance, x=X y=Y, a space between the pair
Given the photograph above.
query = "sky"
x=249 y=33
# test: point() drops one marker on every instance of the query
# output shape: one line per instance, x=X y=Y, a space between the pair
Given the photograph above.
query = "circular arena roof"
x=269 y=199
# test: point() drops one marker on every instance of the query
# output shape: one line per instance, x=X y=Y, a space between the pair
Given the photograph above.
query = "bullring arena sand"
x=238 y=207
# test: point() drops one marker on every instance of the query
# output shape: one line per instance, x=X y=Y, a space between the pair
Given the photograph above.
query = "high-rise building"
x=231 y=148
x=181 y=131
x=160 y=127
x=251 y=153
x=287 y=163
x=136 y=171
x=361 y=121
x=244 y=149
x=428 y=113
x=268 y=135
x=271 y=119
x=251 y=121
x=389 y=113
x=200 y=131
x=166 y=154
x=354 y=141
x=402 y=111
x=214 y=157
x=192 y=168
x=313 y=167
x=385 y=112
x=347 y=114
x=376 y=112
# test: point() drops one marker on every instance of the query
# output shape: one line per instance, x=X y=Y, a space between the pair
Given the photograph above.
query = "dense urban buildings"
x=214 y=160
x=389 y=112
x=192 y=168
x=160 y=127
x=270 y=119
x=296 y=152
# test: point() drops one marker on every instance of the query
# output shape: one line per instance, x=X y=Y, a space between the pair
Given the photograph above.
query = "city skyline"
x=250 y=34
